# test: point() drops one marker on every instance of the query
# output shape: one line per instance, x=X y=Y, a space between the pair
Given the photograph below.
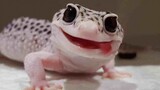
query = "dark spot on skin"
x=10 y=29
x=85 y=10
x=96 y=18
x=45 y=30
x=48 y=26
x=89 y=11
x=78 y=6
x=14 y=37
x=25 y=27
x=34 y=35
x=98 y=23
x=82 y=14
x=91 y=19
x=82 y=19
x=32 y=23
x=97 y=14
x=22 y=19
x=74 y=23
x=46 y=39
x=87 y=14
x=102 y=31
x=32 y=27
x=40 y=32
x=15 y=26
x=36 y=29
x=22 y=40
x=27 y=21
x=41 y=26
x=36 y=41
x=18 y=29
x=58 y=14
x=58 y=18
x=102 y=15
x=38 y=24
x=45 y=21
x=99 y=30
x=49 y=32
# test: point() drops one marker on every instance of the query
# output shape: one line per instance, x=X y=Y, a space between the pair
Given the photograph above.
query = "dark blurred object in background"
x=129 y=52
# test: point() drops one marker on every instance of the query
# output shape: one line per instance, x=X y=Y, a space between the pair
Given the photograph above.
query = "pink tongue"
x=105 y=47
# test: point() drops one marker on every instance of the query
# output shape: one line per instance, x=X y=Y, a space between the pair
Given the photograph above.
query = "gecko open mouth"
x=88 y=44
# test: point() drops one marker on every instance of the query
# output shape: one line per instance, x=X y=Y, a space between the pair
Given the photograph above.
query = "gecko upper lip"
x=84 y=43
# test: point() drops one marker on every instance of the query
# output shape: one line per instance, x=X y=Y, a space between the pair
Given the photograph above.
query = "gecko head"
x=87 y=31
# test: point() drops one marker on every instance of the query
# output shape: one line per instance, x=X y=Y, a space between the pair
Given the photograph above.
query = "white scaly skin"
x=43 y=45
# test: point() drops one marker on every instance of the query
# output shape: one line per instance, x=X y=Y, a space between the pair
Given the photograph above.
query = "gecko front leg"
x=112 y=73
x=35 y=64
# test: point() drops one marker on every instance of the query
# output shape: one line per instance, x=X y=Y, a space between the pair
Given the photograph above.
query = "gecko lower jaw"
x=88 y=44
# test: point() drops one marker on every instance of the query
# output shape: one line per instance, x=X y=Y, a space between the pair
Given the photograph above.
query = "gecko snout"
x=88 y=27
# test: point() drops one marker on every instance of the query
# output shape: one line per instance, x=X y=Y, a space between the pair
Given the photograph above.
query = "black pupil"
x=69 y=14
x=111 y=24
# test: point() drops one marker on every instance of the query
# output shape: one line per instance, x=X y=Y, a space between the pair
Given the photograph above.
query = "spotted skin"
x=24 y=35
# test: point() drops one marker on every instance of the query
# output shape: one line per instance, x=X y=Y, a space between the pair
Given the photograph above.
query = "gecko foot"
x=43 y=85
x=52 y=87
x=116 y=75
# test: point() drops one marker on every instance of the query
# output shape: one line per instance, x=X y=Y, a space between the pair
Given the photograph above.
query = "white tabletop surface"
x=13 y=77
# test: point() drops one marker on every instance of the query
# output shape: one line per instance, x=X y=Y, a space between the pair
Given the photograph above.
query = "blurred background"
x=139 y=18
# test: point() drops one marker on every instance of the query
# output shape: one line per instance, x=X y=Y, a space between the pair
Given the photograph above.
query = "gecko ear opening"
x=69 y=14
x=110 y=23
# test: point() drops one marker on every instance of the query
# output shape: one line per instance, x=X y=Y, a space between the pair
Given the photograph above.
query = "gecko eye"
x=69 y=14
x=110 y=24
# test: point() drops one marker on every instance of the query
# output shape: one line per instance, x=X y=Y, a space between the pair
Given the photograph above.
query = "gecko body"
x=78 y=40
